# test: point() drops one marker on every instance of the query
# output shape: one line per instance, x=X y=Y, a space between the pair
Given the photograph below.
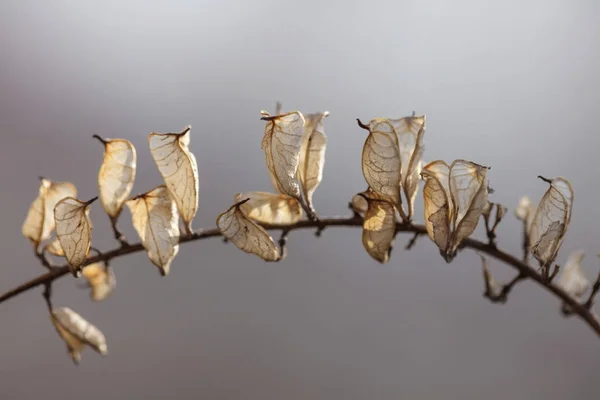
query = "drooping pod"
x=550 y=222
x=74 y=230
x=39 y=222
x=155 y=219
x=455 y=196
x=246 y=234
x=179 y=169
x=77 y=333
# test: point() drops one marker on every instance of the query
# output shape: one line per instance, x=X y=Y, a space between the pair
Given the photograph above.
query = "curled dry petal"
x=312 y=155
x=39 y=222
x=379 y=227
x=572 y=278
x=245 y=234
x=282 y=143
x=455 y=197
x=74 y=230
x=270 y=208
x=101 y=280
x=179 y=169
x=77 y=333
x=117 y=174
x=154 y=217
x=550 y=221
x=381 y=164
x=410 y=131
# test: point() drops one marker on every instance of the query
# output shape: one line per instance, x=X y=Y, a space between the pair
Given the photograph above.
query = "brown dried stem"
x=524 y=269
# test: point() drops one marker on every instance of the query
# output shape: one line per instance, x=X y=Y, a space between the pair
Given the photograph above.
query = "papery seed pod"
x=178 y=167
x=74 y=230
x=455 y=196
x=77 y=333
x=550 y=221
x=155 y=219
x=245 y=234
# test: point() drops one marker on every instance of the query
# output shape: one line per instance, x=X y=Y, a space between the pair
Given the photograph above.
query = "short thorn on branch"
x=554 y=273
x=411 y=243
x=47 y=294
x=96 y=250
x=283 y=244
x=320 y=228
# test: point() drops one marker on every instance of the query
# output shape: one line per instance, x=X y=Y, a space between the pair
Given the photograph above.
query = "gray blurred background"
x=513 y=85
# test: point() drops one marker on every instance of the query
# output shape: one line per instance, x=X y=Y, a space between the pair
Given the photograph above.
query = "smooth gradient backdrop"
x=509 y=84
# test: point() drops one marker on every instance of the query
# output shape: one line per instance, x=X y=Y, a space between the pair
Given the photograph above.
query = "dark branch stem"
x=525 y=270
x=47 y=294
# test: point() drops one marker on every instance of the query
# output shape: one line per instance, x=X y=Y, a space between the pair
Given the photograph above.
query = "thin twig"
x=524 y=269
x=41 y=255
x=118 y=234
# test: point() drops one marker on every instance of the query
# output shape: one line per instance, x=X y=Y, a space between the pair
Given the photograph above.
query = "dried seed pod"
x=74 y=230
x=77 y=333
x=379 y=227
x=410 y=131
x=117 y=174
x=245 y=234
x=282 y=143
x=154 y=217
x=455 y=196
x=178 y=167
x=270 y=208
x=312 y=155
x=381 y=164
x=550 y=221
x=39 y=222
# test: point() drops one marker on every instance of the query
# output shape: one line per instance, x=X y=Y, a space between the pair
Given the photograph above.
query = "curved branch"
x=355 y=221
